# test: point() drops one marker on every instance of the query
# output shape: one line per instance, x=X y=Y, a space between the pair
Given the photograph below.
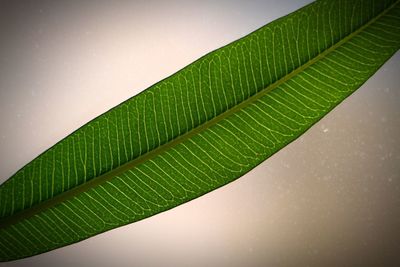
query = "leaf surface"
x=198 y=129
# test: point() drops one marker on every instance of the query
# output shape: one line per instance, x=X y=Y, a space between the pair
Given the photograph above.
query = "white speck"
x=286 y=165
x=324 y=128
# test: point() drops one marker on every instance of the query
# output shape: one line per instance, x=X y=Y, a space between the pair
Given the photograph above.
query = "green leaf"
x=198 y=129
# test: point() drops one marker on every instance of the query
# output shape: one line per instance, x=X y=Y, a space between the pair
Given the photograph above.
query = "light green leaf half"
x=198 y=129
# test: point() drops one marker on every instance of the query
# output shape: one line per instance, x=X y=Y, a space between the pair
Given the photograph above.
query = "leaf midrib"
x=26 y=213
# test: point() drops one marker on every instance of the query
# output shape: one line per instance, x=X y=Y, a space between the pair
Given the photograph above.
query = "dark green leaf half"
x=198 y=129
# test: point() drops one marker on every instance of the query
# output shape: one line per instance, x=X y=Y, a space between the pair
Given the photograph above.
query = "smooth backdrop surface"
x=331 y=198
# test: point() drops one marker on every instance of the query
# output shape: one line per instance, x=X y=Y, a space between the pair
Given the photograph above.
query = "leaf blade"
x=201 y=142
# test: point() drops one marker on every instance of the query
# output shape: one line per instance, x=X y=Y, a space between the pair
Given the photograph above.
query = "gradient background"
x=331 y=198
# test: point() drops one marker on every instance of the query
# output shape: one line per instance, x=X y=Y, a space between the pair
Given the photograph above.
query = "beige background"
x=331 y=198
